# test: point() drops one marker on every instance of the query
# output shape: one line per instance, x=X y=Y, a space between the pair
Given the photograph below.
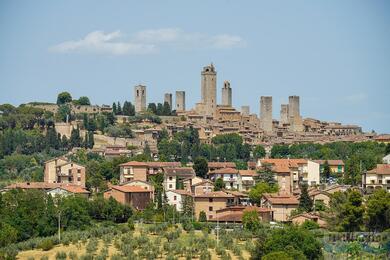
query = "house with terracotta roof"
x=218 y=165
x=377 y=178
x=137 y=197
x=188 y=182
x=133 y=171
x=233 y=214
x=67 y=190
x=320 y=196
x=336 y=166
x=281 y=205
x=248 y=179
x=173 y=177
x=50 y=188
x=62 y=170
x=301 y=218
x=210 y=202
x=230 y=177
x=202 y=187
x=176 y=198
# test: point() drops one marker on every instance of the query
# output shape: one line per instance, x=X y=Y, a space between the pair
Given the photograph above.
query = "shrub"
x=72 y=255
x=130 y=224
x=310 y=224
x=61 y=255
x=46 y=244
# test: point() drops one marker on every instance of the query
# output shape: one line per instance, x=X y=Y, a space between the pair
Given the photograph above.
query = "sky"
x=334 y=54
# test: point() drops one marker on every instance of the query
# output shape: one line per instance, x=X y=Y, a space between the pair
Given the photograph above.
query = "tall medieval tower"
x=266 y=113
x=209 y=89
x=226 y=94
x=140 y=98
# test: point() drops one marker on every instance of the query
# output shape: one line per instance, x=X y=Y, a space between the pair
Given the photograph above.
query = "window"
x=174 y=197
x=372 y=182
x=340 y=168
x=231 y=176
x=380 y=181
x=170 y=178
x=78 y=170
x=210 y=208
x=78 y=179
x=70 y=171
x=210 y=216
x=170 y=186
x=210 y=199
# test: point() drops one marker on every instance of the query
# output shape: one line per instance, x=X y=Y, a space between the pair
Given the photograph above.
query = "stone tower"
x=168 y=99
x=209 y=89
x=226 y=94
x=283 y=114
x=180 y=101
x=294 y=116
x=266 y=113
x=140 y=98
x=245 y=110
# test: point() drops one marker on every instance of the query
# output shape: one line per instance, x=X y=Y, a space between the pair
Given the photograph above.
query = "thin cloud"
x=147 y=42
x=356 y=98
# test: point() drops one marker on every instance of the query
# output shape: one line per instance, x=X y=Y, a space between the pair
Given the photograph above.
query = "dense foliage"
x=27 y=214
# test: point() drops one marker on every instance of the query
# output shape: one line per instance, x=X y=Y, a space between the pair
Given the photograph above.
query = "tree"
x=84 y=101
x=201 y=167
x=114 y=111
x=75 y=139
x=91 y=140
x=119 y=109
x=326 y=171
x=64 y=113
x=219 y=184
x=259 y=189
x=250 y=220
x=289 y=239
x=152 y=108
x=305 y=202
x=259 y=152
x=63 y=98
x=166 y=109
x=202 y=216
x=377 y=216
x=280 y=151
x=387 y=151
x=351 y=214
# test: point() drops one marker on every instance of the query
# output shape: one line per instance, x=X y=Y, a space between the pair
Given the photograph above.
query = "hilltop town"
x=200 y=168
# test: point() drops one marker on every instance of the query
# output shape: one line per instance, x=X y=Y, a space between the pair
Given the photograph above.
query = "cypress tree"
x=305 y=202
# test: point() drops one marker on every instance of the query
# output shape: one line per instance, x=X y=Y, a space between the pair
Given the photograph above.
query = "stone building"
x=266 y=113
x=245 y=110
x=168 y=99
x=283 y=114
x=209 y=90
x=295 y=119
x=61 y=170
x=226 y=94
x=180 y=101
x=140 y=98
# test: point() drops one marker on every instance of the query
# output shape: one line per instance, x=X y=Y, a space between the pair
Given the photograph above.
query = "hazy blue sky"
x=334 y=54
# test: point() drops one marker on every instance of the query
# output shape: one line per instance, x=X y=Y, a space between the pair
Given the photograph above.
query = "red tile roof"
x=130 y=189
x=214 y=194
x=248 y=173
x=222 y=165
x=381 y=169
x=224 y=171
x=180 y=171
x=281 y=199
x=134 y=163
x=163 y=164
x=330 y=162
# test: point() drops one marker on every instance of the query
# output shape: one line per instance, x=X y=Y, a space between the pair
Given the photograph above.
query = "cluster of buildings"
x=183 y=189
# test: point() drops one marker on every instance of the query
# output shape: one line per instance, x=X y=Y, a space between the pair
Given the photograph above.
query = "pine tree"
x=166 y=109
x=75 y=139
x=91 y=140
x=119 y=109
x=305 y=202
x=114 y=108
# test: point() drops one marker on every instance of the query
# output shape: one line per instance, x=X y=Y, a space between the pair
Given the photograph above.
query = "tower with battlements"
x=140 y=98
x=209 y=89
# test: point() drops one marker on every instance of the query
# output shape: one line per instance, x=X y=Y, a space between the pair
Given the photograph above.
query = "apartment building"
x=63 y=171
x=377 y=178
